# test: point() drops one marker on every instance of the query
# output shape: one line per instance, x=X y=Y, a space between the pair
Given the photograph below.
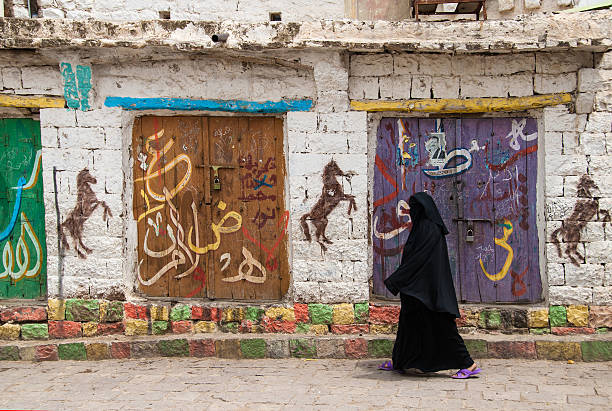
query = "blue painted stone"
x=236 y=106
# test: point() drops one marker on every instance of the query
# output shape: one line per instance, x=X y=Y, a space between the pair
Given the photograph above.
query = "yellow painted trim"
x=31 y=102
x=471 y=105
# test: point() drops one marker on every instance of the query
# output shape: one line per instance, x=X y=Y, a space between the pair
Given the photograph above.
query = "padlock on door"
x=469 y=235
x=216 y=183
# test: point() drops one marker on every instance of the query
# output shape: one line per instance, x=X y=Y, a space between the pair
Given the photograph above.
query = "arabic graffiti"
x=86 y=204
x=22 y=229
x=502 y=242
x=331 y=195
x=584 y=210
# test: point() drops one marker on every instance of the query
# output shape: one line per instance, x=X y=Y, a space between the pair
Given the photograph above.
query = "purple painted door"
x=482 y=175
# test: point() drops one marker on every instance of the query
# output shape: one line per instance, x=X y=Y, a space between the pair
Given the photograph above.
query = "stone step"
x=596 y=347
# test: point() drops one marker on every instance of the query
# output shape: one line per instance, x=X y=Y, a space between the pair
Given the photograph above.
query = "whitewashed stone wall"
x=73 y=141
x=45 y=80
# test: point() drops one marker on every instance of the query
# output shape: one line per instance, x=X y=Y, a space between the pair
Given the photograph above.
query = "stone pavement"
x=219 y=384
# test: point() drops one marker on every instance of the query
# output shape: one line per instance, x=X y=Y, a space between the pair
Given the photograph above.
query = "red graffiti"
x=511 y=160
x=381 y=166
x=517 y=281
x=271 y=260
x=199 y=275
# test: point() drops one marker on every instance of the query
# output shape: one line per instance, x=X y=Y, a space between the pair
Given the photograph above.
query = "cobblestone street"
x=216 y=384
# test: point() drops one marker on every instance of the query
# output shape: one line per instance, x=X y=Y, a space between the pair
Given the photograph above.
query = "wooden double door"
x=210 y=208
x=482 y=174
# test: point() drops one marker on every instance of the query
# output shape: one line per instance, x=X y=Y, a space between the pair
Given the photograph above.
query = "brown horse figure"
x=584 y=211
x=86 y=204
x=331 y=195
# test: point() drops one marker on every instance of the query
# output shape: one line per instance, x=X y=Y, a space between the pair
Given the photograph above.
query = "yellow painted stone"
x=538 y=318
x=159 y=313
x=472 y=317
x=97 y=351
x=90 y=329
x=9 y=331
x=578 y=315
x=205 y=327
x=284 y=313
x=558 y=351
x=233 y=314
x=136 y=327
x=343 y=314
x=31 y=101
x=319 y=329
x=381 y=328
x=103 y=307
x=56 y=309
x=470 y=105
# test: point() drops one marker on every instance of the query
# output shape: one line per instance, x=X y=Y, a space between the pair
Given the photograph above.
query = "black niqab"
x=424 y=272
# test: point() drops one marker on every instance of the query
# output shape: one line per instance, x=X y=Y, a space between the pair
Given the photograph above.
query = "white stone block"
x=434 y=64
x=106 y=117
x=306 y=292
x=53 y=13
x=302 y=121
x=68 y=159
x=564 y=3
x=483 y=86
x=555 y=83
x=57 y=117
x=81 y=138
x=371 y=64
x=357 y=142
x=505 y=5
x=363 y=88
x=113 y=138
x=385 y=87
x=584 y=103
x=355 y=121
x=594 y=231
x=48 y=137
x=405 y=64
x=559 y=208
x=556 y=274
x=558 y=119
x=554 y=186
x=602 y=295
x=42 y=77
x=599 y=252
x=571 y=143
x=421 y=87
x=592 y=80
x=509 y=63
x=344 y=292
x=584 y=275
x=593 y=143
x=599 y=122
x=563 y=62
x=552 y=253
x=608 y=275
x=330 y=77
x=560 y=295
x=307 y=164
x=297 y=141
x=319 y=271
x=599 y=166
x=327 y=143
x=566 y=165
x=468 y=65
x=532 y=4
x=445 y=87
x=519 y=85
x=604 y=61
x=332 y=102
x=553 y=141
x=11 y=77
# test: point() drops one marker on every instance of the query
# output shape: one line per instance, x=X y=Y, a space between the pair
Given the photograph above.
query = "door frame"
x=374 y=119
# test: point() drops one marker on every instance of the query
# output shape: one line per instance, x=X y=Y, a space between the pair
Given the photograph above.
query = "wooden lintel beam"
x=31 y=101
x=458 y=106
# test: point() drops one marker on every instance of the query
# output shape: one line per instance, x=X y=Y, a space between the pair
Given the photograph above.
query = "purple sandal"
x=465 y=373
x=386 y=366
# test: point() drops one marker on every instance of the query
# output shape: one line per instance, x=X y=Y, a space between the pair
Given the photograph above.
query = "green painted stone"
x=490 y=319
x=253 y=348
x=9 y=353
x=159 y=327
x=82 y=310
x=539 y=331
x=174 y=348
x=180 y=312
x=230 y=327
x=254 y=314
x=362 y=311
x=557 y=314
x=476 y=348
x=34 y=332
x=596 y=350
x=601 y=330
x=380 y=348
x=72 y=351
x=114 y=312
x=320 y=313
x=302 y=348
x=302 y=328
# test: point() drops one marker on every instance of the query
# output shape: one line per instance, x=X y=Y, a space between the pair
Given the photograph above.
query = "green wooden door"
x=23 y=252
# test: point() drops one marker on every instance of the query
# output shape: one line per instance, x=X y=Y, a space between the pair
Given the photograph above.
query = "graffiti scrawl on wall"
x=208 y=208
x=481 y=173
x=86 y=203
x=22 y=213
x=77 y=86
x=331 y=195
x=586 y=209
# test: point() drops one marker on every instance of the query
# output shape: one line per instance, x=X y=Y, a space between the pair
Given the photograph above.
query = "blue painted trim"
x=236 y=106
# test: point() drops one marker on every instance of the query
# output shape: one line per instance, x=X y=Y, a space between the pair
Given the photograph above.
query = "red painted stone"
x=182 y=327
x=197 y=312
x=245 y=326
x=64 y=329
x=110 y=328
x=120 y=350
x=512 y=349
x=301 y=313
x=356 y=348
x=138 y=312
x=461 y=322
x=23 y=314
x=384 y=315
x=211 y=314
x=350 y=329
x=572 y=330
x=46 y=352
x=202 y=348
x=278 y=326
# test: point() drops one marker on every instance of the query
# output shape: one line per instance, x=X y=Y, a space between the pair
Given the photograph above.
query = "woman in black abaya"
x=427 y=337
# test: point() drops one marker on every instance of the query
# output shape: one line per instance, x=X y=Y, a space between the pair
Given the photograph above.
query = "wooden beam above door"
x=459 y=106
x=31 y=101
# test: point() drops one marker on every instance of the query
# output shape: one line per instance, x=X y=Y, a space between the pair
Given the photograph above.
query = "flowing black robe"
x=427 y=337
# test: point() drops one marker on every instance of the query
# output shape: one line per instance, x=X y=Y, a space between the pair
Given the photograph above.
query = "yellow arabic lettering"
x=149 y=209
x=22 y=252
x=217 y=229
x=502 y=242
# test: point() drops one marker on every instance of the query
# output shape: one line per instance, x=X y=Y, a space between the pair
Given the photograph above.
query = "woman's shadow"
x=369 y=371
